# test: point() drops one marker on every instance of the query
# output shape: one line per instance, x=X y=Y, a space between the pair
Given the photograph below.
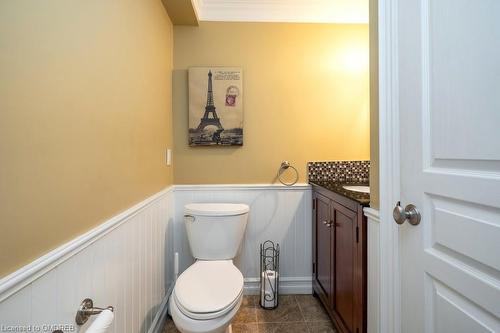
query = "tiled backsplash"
x=341 y=171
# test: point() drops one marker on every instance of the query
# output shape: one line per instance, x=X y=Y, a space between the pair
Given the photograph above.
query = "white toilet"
x=208 y=294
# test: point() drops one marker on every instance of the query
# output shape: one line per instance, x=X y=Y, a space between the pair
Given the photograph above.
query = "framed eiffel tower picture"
x=215 y=106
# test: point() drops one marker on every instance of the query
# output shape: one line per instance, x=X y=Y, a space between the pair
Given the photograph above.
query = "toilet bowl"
x=208 y=294
x=206 y=297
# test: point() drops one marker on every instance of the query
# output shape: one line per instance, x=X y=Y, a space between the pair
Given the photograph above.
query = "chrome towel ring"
x=284 y=166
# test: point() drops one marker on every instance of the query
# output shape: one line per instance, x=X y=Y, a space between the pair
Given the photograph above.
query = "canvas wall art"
x=215 y=106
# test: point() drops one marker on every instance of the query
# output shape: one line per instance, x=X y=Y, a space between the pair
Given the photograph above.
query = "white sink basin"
x=358 y=188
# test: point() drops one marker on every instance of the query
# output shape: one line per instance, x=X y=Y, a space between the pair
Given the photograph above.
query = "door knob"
x=328 y=224
x=410 y=213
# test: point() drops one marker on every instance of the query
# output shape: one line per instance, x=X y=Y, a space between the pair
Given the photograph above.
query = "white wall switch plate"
x=169 y=156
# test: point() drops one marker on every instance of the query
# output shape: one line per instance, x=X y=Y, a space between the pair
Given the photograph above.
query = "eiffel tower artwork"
x=207 y=126
x=210 y=116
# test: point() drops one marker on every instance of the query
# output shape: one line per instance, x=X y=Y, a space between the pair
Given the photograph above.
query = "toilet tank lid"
x=216 y=209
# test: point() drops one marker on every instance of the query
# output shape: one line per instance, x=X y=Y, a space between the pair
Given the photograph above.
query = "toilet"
x=208 y=294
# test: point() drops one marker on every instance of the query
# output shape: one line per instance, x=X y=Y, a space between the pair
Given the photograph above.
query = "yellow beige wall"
x=306 y=92
x=374 y=142
x=85 y=117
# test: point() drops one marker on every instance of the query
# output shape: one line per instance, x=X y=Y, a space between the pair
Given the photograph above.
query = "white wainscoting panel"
x=278 y=213
x=373 y=250
x=126 y=262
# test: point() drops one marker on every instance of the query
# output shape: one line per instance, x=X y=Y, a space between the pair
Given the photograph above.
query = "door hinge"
x=314 y=203
x=357 y=234
x=314 y=267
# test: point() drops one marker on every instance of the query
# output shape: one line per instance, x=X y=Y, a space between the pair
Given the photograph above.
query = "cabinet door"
x=323 y=249
x=344 y=269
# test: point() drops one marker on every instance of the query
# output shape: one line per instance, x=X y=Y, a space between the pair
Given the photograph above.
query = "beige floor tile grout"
x=316 y=320
x=301 y=312
x=252 y=305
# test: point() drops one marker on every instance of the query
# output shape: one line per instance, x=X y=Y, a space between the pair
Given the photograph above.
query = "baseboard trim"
x=161 y=316
x=29 y=273
x=288 y=285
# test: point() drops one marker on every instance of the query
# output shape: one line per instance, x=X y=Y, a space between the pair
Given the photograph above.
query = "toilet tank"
x=215 y=230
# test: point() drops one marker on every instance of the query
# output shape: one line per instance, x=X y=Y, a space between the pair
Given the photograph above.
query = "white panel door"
x=449 y=104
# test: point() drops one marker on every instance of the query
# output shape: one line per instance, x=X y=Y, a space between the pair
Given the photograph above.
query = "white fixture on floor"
x=208 y=294
x=357 y=188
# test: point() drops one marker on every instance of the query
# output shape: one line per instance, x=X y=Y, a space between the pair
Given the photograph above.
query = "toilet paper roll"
x=102 y=322
x=270 y=282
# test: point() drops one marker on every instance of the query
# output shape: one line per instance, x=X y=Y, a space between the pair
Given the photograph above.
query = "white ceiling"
x=317 y=11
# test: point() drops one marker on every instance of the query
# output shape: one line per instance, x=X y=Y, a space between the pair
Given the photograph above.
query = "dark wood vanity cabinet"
x=339 y=259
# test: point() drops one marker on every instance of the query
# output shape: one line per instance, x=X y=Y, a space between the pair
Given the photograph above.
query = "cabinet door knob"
x=328 y=224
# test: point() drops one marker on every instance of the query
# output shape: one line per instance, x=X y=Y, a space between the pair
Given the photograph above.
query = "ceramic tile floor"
x=295 y=314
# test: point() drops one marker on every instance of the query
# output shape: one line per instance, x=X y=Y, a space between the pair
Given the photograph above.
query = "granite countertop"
x=334 y=186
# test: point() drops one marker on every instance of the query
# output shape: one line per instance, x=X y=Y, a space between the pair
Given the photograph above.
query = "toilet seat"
x=208 y=289
x=208 y=315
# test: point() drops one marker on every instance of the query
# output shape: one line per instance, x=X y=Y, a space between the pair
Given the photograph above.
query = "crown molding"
x=298 y=11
